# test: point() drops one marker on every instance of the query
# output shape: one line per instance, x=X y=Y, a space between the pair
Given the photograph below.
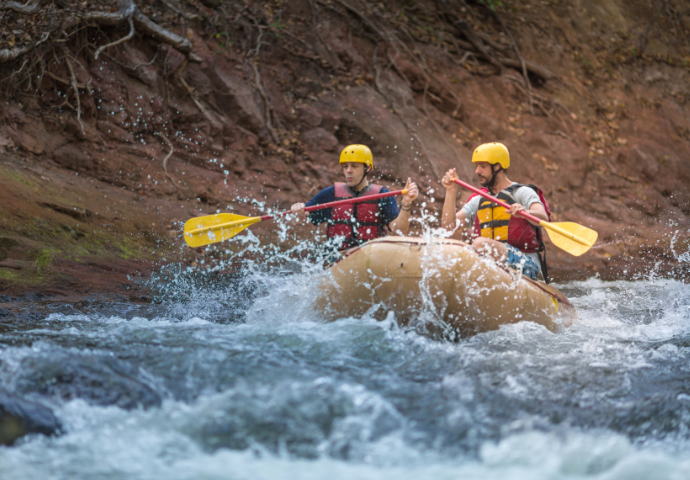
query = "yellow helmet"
x=491 y=153
x=357 y=154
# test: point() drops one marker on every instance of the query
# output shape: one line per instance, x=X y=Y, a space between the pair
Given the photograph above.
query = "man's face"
x=483 y=171
x=354 y=173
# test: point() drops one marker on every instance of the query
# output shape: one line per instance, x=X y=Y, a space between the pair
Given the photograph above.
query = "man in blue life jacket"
x=499 y=233
x=356 y=223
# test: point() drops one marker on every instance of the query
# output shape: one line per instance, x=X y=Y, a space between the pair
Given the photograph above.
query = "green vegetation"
x=15 y=176
x=36 y=240
x=492 y=4
x=279 y=25
x=8 y=274
x=223 y=39
x=44 y=260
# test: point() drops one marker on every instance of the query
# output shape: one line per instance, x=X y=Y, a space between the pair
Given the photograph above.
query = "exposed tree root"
x=333 y=60
x=538 y=70
x=267 y=102
x=9 y=54
x=183 y=14
x=75 y=88
x=117 y=42
x=644 y=40
x=478 y=45
x=486 y=38
x=431 y=27
x=129 y=13
x=362 y=17
x=142 y=22
x=62 y=80
x=167 y=157
x=23 y=9
x=398 y=45
x=528 y=84
x=136 y=67
x=202 y=108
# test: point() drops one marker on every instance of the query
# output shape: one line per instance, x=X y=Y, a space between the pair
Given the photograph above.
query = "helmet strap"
x=494 y=173
x=367 y=169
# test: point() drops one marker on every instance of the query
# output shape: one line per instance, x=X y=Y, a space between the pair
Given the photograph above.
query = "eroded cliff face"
x=270 y=94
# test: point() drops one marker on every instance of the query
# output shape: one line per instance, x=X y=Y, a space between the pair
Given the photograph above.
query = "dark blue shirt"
x=388 y=208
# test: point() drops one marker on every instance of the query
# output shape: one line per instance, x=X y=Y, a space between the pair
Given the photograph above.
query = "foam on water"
x=107 y=443
x=241 y=380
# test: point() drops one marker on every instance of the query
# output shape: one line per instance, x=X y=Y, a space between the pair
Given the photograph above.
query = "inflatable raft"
x=443 y=283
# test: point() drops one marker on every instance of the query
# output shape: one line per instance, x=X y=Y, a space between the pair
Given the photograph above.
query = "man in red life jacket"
x=356 y=223
x=500 y=233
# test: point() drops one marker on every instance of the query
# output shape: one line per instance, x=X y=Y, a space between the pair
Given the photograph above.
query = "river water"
x=240 y=380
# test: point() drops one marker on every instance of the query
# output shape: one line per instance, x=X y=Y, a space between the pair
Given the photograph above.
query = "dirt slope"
x=211 y=104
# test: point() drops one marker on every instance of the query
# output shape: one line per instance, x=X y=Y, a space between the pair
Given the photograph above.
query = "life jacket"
x=357 y=222
x=494 y=221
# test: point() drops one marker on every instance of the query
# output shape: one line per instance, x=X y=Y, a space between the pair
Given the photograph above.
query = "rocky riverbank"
x=102 y=160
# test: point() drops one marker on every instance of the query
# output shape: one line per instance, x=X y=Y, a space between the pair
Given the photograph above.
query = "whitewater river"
x=242 y=381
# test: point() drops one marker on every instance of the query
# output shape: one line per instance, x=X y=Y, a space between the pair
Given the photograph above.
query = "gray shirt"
x=525 y=196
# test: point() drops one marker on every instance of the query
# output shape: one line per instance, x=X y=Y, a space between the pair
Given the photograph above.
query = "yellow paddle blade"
x=210 y=229
x=571 y=237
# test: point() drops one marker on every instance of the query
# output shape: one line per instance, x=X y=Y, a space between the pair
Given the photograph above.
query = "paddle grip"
x=340 y=202
x=496 y=200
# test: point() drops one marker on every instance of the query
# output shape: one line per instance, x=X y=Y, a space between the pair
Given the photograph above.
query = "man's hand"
x=515 y=208
x=448 y=183
x=536 y=210
x=298 y=210
x=411 y=195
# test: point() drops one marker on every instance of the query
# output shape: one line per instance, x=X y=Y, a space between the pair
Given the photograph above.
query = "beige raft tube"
x=444 y=281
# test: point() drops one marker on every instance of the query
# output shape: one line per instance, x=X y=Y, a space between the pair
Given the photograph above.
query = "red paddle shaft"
x=496 y=200
x=340 y=202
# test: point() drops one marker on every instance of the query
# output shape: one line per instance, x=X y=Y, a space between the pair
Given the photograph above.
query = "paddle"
x=571 y=237
x=210 y=229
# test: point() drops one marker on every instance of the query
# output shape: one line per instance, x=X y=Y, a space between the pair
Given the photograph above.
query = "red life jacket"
x=357 y=222
x=520 y=233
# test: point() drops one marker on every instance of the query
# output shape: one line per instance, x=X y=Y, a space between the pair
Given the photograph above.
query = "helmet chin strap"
x=494 y=173
x=366 y=172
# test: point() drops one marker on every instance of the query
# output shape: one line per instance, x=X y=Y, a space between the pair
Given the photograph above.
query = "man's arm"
x=401 y=225
x=536 y=209
x=449 y=217
x=324 y=196
x=526 y=196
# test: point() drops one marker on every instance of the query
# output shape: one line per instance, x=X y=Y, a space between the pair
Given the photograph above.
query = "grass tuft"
x=44 y=260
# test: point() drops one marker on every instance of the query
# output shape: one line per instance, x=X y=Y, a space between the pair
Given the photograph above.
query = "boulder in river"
x=19 y=417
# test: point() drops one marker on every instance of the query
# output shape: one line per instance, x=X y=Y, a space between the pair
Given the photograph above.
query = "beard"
x=483 y=181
